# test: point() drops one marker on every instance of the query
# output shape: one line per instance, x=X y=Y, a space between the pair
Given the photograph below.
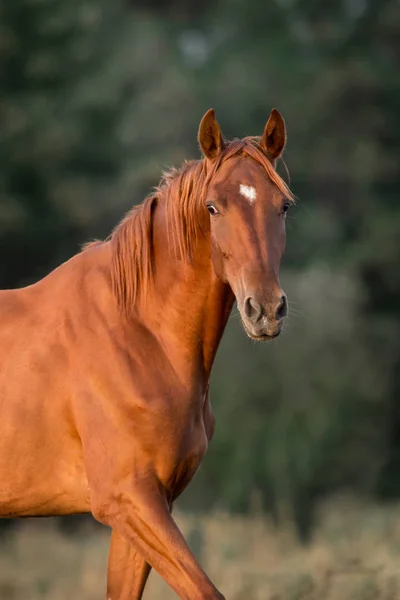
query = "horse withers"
x=105 y=363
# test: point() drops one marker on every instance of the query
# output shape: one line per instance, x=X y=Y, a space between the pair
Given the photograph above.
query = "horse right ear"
x=273 y=139
x=210 y=136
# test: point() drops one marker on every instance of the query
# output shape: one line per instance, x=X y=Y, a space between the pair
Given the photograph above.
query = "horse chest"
x=186 y=467
x=181 y=458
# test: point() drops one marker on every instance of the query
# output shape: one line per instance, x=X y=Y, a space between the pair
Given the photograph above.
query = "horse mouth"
x=263 y=336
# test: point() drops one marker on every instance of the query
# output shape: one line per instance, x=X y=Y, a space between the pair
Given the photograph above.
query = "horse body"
x=57 y=379
x=40 y=451
x=105 y=363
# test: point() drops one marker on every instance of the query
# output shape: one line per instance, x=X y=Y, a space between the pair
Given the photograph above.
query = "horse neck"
x=188 y=305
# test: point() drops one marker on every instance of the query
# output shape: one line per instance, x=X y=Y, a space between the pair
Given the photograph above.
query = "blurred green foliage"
x=96 y=98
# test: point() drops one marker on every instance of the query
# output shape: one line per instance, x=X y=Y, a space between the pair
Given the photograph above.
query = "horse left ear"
x=273 y=139
x=210 y=136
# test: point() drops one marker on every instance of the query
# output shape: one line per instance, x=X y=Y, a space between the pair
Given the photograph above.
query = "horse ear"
x=273 y=139
x=210 y=136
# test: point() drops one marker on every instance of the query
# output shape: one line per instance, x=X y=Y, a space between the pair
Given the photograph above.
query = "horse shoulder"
x=135 y=421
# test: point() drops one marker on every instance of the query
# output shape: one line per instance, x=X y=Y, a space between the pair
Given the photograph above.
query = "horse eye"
x=285 y=207
x=212 y=210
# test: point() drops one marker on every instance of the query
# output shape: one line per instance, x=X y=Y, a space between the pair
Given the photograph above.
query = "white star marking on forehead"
x=248 y=192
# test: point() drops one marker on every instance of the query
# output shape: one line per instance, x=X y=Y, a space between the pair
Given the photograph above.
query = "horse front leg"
x=127 y=570
x=141 y=515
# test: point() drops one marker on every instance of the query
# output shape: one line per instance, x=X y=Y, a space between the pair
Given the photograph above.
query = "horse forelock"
x=183 y=193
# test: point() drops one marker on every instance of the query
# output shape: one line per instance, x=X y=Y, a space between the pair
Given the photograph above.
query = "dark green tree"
x=56 y=145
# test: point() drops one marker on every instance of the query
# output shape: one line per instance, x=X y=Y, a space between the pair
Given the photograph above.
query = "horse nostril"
x=282 y=309
x=252 y=309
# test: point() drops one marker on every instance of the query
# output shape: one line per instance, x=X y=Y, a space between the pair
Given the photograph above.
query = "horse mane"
x=182 y=192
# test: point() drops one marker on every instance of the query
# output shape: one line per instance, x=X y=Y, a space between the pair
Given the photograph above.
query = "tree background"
x=97 y=97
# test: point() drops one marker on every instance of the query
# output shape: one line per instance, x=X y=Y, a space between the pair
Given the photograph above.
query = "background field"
x=354 y=556
x=96 y=99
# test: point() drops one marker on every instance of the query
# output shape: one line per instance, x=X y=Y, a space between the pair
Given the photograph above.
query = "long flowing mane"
x=183 y=193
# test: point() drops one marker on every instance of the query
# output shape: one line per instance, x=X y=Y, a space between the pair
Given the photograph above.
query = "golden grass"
x=355 y=555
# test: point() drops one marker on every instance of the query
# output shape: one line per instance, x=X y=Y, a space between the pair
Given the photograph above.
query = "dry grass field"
x=355 y=555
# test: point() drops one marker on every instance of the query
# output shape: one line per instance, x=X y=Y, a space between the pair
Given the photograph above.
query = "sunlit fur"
x=183 y=192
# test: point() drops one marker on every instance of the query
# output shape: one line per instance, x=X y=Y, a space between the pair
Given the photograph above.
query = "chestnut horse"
x=105 y=363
